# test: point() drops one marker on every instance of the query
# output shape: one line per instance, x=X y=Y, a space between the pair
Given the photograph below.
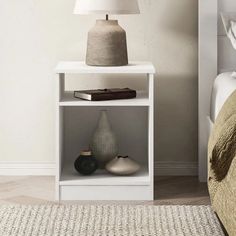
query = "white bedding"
x=223 y=87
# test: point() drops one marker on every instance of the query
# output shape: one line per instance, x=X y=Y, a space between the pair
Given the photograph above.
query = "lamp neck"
x=107 y=18
x=106 y=22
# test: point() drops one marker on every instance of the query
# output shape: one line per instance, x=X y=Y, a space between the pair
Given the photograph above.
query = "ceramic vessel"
x=122 y=166
x=103 y=144
x=86 y=164
x=107 y=44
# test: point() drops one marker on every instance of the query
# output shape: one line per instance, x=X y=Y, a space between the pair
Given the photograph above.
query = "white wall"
x=36 y=34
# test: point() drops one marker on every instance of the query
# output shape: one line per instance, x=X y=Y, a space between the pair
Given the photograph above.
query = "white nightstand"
x=132 y=121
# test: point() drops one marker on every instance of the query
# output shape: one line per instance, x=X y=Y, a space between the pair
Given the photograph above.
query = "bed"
x=216 y=55
x=217 y=106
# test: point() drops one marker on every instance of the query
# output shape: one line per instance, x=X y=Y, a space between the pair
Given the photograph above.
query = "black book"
x=105 y=94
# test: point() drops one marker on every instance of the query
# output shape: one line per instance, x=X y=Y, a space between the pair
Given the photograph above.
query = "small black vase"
x=86 y=164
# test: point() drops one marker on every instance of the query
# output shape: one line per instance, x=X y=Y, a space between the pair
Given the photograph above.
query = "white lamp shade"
x=106 y=7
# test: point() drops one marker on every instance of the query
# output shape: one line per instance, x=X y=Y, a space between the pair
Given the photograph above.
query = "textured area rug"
x=112 y=220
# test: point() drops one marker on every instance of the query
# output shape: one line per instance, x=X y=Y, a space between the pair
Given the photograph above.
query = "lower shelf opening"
x=69 y=176
x=130 y=126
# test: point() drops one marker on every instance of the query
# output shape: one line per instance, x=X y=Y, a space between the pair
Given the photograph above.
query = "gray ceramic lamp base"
x=107 y=44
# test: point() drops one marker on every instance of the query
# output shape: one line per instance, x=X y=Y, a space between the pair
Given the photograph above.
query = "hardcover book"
x=105 y=94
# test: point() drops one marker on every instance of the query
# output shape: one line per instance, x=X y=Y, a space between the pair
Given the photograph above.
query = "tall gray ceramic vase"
x=103 y=144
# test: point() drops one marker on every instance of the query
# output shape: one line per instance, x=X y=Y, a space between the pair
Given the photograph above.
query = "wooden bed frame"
x=215 y=56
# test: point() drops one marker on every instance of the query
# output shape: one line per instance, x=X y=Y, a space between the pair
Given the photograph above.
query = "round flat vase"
x=106 y=44
x=103 y=144
x=122 y=166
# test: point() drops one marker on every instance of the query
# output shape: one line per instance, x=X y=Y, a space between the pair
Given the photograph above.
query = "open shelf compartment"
x=68 y=99
x=130 y=127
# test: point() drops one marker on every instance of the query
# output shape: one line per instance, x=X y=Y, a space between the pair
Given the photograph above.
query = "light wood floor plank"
x=40 y=190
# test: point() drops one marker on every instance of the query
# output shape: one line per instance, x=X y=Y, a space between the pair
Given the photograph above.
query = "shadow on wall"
x=176 y=82
x=176 y=119
x=179 y=17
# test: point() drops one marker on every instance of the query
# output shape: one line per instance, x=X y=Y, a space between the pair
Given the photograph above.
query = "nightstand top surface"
x=79 y=67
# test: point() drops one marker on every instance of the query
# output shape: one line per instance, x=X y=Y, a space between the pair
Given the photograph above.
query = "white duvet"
x=223 y=87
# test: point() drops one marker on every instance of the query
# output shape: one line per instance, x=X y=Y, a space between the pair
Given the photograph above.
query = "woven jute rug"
x=108 y=220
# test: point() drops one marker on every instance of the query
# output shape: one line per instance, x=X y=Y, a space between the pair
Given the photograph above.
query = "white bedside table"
x=132 y=121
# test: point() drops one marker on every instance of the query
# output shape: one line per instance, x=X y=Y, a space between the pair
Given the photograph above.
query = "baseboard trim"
x=27 y=168
x=161 y=168
x=166 y=168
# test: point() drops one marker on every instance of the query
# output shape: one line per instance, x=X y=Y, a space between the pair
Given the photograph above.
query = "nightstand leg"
x=59 y=133
x=151 y=132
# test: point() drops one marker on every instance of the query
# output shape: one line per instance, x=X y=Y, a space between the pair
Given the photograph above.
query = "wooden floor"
x=40 y=190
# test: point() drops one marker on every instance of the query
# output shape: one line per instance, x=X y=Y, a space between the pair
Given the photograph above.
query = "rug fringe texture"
x=108 y=220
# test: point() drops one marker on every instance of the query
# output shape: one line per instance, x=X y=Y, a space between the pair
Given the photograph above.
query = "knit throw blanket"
x=224 y=150
x=223 y=138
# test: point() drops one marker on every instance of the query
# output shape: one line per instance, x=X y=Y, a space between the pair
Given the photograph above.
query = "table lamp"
x=106 y=45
